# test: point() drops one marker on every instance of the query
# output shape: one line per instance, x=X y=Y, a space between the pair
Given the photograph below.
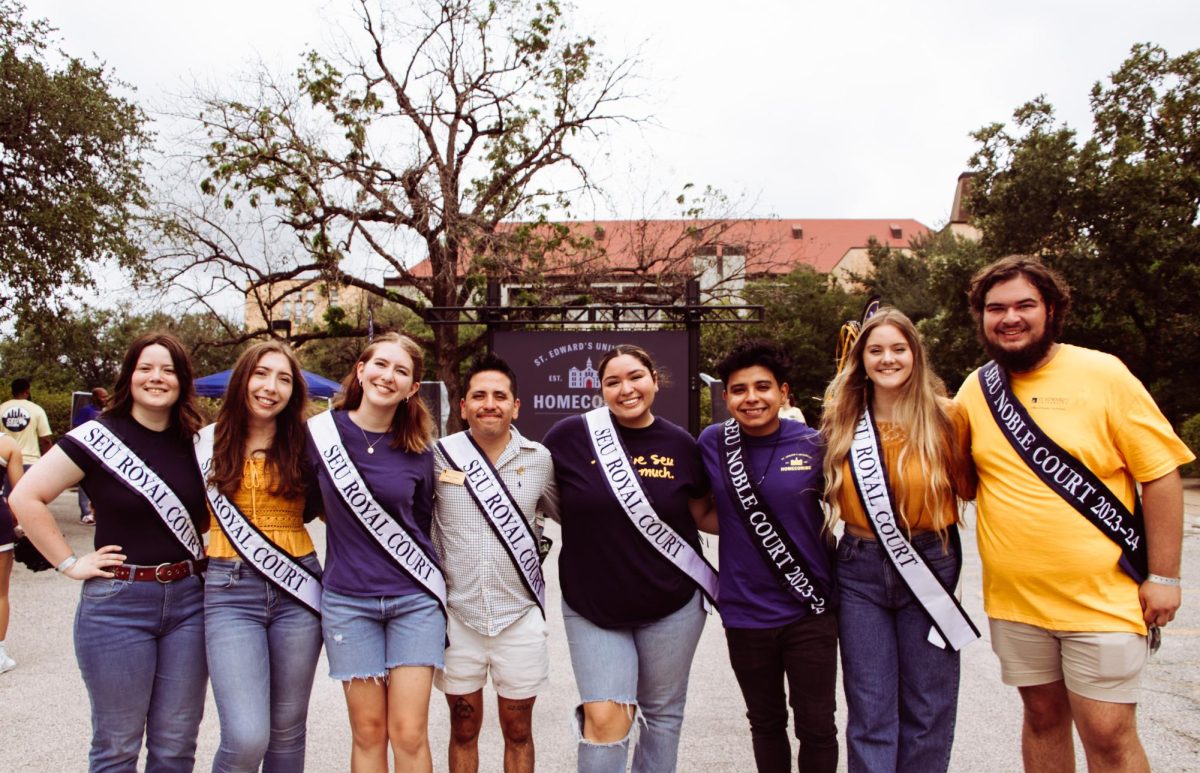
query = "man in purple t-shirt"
x=777 y=586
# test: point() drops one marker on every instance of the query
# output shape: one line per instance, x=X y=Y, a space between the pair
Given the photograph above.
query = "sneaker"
x=89 y=520
x=6 y=663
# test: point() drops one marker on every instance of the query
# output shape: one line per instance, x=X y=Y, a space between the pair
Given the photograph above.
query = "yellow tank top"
x=279 y=518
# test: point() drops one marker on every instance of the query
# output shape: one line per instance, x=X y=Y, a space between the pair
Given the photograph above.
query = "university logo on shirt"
x=16 y=419
x=796 y=462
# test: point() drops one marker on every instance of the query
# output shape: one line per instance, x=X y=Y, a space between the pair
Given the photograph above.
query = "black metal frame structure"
x=689 y=316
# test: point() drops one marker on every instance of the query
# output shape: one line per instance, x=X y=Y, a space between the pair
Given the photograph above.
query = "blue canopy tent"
x=215 y=385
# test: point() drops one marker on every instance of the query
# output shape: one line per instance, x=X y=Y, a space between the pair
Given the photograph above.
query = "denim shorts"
x=368 y=636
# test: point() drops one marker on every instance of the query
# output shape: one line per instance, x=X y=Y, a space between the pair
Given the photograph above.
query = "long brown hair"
x=412 y=424
x=185 y=416
x=285 y=457
x=921 y=411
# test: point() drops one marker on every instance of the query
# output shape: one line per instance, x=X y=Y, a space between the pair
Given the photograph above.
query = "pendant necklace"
x=370 y=445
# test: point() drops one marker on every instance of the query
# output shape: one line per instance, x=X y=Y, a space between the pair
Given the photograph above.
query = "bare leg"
x=366 y=700
x=1109 y=735
x=1046 y=742
x=466 y=717
x=408 y=718
x=607 y=721
x=516 y=723
x=6 y=564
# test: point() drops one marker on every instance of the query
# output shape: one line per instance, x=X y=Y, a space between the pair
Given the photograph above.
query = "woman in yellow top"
x=901 y=688
x=262 y=641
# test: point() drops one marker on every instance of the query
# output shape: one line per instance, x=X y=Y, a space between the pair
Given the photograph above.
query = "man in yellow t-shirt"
x=1068 y=624
x=25 y=422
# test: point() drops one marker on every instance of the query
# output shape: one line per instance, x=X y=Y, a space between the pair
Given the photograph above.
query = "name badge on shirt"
x=456 y=477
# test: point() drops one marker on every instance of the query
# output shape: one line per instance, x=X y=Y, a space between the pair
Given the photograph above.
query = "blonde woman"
x=894 y=472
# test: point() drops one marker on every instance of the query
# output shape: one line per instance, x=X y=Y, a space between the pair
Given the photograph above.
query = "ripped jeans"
x=646 y=666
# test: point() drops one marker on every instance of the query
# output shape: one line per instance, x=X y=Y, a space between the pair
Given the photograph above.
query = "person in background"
x=25 y=422
x=88 y=411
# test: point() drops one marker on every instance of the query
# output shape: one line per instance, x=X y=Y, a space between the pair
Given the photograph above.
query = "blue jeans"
x=140 y=647
x=262 y=653
x=901 y=691
x=646 y=666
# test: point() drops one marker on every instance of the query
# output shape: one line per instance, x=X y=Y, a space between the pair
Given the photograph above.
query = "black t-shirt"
x=124 y=517
x=608 y=572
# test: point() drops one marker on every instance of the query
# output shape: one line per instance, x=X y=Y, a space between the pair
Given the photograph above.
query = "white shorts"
x=518 y=658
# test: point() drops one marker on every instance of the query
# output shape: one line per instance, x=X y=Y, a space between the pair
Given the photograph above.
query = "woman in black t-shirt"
x=139 y=629
x=633 y=618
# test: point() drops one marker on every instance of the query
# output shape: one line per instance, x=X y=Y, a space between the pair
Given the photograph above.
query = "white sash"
x=623 y=482
x=950 y=622
x=499 y=509
x=129 y=469
x=386 y=530
x=252 y=545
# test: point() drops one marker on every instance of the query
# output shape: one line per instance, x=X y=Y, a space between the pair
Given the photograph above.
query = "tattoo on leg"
x=462 y=709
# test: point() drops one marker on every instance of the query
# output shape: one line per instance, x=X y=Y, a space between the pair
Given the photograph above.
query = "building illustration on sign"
x=583 y=378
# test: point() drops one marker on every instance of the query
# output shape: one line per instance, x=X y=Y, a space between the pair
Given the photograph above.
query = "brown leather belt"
x=163 y=573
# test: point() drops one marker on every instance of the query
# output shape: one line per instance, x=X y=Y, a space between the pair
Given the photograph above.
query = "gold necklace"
x=370 y=445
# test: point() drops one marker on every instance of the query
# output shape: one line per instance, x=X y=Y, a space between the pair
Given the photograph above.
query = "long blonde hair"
x=921 y=411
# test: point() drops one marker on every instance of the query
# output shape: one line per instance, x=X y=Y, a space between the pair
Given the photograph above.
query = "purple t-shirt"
x=608 y=571
x=751 y=596
x=402 y=482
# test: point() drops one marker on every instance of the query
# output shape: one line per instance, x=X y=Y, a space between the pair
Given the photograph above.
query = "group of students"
x=891 y=459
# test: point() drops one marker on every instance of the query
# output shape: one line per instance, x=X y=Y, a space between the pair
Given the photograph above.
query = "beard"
x=1018 y=360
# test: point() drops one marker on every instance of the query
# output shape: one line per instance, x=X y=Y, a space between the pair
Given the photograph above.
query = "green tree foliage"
x=84 y=350
x=804 y=313
x=1117 y=214
x=445 y=119
x=70 y=169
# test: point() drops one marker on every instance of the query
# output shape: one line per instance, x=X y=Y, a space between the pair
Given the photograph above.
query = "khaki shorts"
x=517 y=657
x=1103 y=666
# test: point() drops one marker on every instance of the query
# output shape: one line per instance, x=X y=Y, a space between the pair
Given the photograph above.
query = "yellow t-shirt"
x=280 y=519
x=1044 y=564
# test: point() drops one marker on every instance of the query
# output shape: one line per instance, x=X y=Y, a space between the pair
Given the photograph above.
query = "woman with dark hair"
x=262 y=594
x=139 y=628
x=894 y=472
x=632 y=491
x=383 y=605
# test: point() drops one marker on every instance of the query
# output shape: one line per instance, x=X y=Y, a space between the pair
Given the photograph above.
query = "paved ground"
x=44 y=723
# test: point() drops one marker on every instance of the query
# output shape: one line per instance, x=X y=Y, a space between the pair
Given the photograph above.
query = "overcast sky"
x=831 y=109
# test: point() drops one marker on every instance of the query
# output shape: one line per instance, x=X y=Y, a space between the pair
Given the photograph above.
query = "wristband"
x=66 y=564
x=1158 y=579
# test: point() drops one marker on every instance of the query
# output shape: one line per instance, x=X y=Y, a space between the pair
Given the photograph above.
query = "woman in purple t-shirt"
x=384 y=629
x=633 y=619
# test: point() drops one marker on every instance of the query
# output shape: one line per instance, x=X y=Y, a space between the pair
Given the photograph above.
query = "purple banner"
x=557 y=376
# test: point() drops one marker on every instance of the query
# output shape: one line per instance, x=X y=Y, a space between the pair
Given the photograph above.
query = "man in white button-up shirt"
x=496 y=624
